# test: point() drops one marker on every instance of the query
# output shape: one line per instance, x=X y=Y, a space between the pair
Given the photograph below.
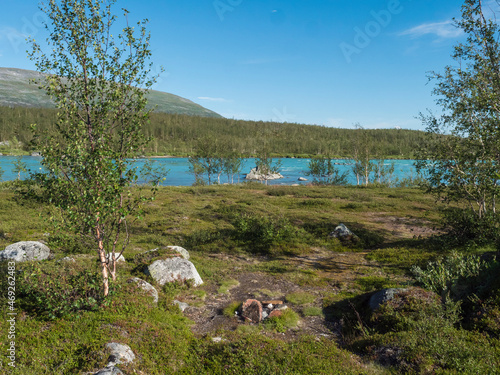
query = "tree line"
x=178 y=135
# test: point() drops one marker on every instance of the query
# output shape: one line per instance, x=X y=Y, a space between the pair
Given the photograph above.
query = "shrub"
x=465 y=227
x=263 y=231
x=51 y=294
x=455 y=275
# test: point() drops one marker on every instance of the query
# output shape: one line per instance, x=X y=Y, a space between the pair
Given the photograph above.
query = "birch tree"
x=97 y=73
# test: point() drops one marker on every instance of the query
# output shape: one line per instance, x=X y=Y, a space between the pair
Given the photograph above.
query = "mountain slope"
x=15 y=91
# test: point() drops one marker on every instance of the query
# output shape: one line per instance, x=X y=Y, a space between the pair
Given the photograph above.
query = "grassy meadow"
x=254 y=241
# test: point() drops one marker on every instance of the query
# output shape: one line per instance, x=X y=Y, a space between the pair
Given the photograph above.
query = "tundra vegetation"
x=267 y=242
x=273 y=242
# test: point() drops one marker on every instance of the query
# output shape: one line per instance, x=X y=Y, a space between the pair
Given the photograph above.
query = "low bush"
x=455 y=275
x=54 y=293
x=262 y=232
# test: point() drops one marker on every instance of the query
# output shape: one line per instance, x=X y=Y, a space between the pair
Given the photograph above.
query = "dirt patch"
x=404 y=227
x=209 y=318
x=330 y=274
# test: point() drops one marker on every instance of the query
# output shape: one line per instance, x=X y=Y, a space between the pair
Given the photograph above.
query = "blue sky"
x=325 y=62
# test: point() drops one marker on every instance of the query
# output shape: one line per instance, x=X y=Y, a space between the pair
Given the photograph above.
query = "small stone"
x=302 y=179
x=272 y=302
x=182 y=305
x=275 y=314
x=67 y=259
x=384 y=295
x=265 y=314
x=280 y=307
x=119 y=353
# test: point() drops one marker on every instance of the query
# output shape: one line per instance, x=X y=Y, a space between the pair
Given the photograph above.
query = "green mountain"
x=16 y=91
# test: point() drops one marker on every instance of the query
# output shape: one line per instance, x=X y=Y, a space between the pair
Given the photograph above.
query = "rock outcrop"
x=255 y=174
x=25 y=251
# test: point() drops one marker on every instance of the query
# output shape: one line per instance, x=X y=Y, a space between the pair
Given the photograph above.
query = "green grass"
x=227 y=285
x=231 y=309
x=312 y=311
x=300 y=298
x=287 y=320
x=202 y=219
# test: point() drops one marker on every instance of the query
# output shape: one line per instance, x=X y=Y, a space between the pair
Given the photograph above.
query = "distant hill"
x=15 y=91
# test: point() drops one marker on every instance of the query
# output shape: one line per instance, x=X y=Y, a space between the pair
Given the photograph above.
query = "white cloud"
x=209 y=99
x=443 y=30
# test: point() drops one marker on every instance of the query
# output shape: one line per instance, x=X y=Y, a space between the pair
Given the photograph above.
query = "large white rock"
x=173 y=269
x=25 y=251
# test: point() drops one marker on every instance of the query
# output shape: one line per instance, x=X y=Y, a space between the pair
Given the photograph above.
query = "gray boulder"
x=383 y=296
x=173 y=269
x=25 y=251
x=119 y=353
x=344 y=234
x=147 y=287
x=255 y=174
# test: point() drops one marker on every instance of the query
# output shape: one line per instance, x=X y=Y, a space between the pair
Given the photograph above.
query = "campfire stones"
x=255 y=311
